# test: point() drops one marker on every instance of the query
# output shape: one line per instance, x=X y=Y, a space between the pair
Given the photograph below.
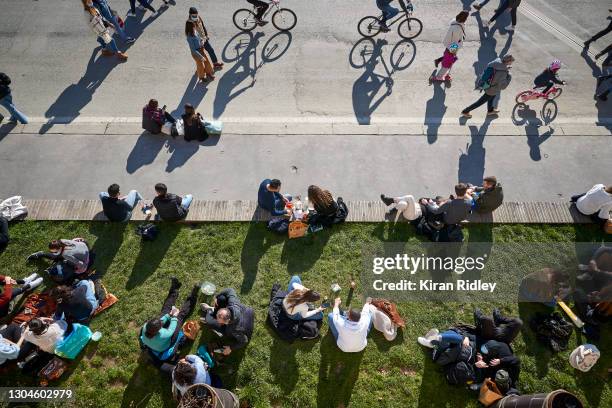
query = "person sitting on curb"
x=9 y=293
x=269 y=197
x=298 y=300
x=154 y=117
x=350 y=332
x=596 y=203
x=160 y=333
x=489 y=197
x=45 y=333
x=230 y=320
x=188 y=371
x=171 y=207
x=407 y=205
x=456 y=209
x=119 y=208
x=74 y=252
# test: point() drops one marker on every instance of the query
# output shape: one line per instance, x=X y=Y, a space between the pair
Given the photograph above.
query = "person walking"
x=455 y=33
x=495 y=79
x=96 y=22
x=600 y=34
x=6 y=100
x=195 y=18
x=104 y=9
x=506 y=5
x=204 y=68
x=144 y=4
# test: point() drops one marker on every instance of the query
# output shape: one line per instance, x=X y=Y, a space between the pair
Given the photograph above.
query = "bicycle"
x=533 y=94
x=409 y=27
x=283 y=19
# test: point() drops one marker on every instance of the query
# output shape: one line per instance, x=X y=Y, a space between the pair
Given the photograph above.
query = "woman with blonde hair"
x=296 y=303
x=204 y=68
x=97 y=24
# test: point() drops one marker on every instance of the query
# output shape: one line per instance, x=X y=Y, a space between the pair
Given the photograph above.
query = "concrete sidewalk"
x=540 y=167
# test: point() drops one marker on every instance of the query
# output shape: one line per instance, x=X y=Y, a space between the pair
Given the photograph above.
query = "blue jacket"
x=269 y=200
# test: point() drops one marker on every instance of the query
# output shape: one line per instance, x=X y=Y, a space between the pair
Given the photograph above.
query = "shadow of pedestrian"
x=338 y=373
x=144 y=152
x=194 y=93
x=435 y=109
x=151 y=254
x=183 y=150
x=522 y=115
x=242 y=48
x=472 y=161
x=135 y=26
x=367 y=54
x=68 y=105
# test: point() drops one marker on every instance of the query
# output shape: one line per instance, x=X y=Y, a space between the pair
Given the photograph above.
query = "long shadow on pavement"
x=435 y=109
x=242 y=48
x=472 y=161
x=604 y=108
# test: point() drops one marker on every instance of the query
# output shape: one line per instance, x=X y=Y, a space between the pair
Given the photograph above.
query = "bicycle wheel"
x=368 y=26
x=244 y=20
x=555 y=93
x=410 y=28
x=523 y=97
x=284 y=19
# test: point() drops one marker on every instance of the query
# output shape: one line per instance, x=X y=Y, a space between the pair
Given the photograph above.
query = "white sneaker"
x=32 y=285
x=425 y=342
x=30 y=278
x=510 y=28
x=432 y=333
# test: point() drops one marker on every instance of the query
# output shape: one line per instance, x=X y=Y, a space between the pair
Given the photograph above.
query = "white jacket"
x=383 y=323
x=455 y=34
x=596 y=200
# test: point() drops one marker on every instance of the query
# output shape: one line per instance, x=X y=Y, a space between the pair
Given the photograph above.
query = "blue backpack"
x=484 y=82
x=70 y=346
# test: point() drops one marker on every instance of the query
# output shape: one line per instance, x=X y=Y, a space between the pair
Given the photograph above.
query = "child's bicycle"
x=532 y=94
x=409 y=27
x=283 y=19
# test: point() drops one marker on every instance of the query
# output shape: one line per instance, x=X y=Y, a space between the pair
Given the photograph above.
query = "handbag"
x=12 y=208
x=213 y=127
x=489 y=393
x=70 y=346
x=52 y=371
x=297 y=229
x=166 y=129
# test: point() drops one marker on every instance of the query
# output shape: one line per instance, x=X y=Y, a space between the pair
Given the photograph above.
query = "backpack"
x=147 y=232
x=460 y=373
x=4 y=79
x=486 y=78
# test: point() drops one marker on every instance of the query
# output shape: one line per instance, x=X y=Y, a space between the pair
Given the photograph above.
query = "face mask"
x=193 y=17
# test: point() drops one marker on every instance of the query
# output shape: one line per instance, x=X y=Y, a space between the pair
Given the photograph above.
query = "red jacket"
x=5 y=298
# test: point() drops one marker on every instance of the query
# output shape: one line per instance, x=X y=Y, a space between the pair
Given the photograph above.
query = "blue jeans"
x=143 y=3
x=294 y=279
x=209 y=49
x=332 y=326
x=186 y=201
x=102 y=5
x=110 y=46
x=132 y=198
x=388 y=11
x=298 y=316
x=7 y=102
x=90 y=295
x=449 y=337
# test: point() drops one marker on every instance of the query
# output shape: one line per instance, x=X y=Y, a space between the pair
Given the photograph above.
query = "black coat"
x=287 y=328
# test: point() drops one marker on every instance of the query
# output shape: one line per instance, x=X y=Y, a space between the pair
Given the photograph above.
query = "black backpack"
x=460 y=373
x=4 y=79
x=147 y=232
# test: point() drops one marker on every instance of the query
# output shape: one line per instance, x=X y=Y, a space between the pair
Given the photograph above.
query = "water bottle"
x=96 y=336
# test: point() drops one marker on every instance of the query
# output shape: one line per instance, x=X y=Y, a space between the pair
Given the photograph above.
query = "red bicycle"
x=531 y=94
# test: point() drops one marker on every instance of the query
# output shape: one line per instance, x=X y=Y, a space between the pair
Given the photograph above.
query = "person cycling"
x=261 y=7
x=549 y=77
x=388 y=12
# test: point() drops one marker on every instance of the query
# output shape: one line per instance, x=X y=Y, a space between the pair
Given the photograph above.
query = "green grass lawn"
x=270 y=372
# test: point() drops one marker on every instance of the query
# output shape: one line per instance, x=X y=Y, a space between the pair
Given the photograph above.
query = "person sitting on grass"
x=45 y=333
x=297 y=302
x=188 y=371
x=160 y=333
x=171 y=207
x=119 y=208
x=489 y=197
x=232 y=321
x=596 y=203
x=11 y=340
x=350 y=332
x=77 y=303
x=4 y=234
x=455 y=352
x=269 y=197
x=74 y=252
x=494 y=356
x=10 y=292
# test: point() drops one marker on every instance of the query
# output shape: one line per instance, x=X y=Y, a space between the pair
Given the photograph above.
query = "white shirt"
x=596 y=200
x=352 y=336
x=48 y=340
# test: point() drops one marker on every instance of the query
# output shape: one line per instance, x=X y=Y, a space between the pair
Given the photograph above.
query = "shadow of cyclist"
x=522 y=115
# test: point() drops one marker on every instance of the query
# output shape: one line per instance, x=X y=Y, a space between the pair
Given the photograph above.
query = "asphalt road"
x=316 y=70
